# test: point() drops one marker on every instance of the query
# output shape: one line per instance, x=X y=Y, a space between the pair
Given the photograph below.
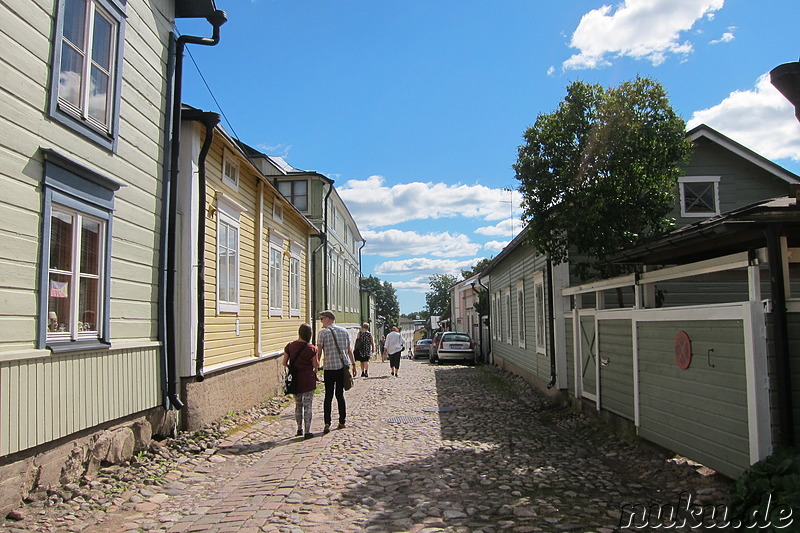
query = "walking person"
x=303 y=357
x=363 y=349
x=337 y=358
x=383 y=352
x=394 y=348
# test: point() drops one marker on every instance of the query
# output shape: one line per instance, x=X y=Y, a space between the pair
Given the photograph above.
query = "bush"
x=767 y=495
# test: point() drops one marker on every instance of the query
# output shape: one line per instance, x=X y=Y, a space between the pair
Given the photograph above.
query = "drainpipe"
x=217 y=19
x=360 y=275
x=550 y=310
x=210 y=121
x=313 y=320
x=325 y=265
x=480 y=322
x=489 y=314
x=781 y=336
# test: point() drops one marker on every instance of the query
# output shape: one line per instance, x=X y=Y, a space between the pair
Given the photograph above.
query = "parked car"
x=434 y=347
x=455 y=346
x=423 y=348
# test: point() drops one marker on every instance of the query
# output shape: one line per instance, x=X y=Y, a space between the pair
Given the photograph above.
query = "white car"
x=454 y=346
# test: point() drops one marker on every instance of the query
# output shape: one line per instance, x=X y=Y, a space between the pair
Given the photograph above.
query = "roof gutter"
x=216 y=19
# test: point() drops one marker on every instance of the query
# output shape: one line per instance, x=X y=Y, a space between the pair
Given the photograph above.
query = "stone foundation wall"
x=66 y=460
x=228 y=390
x=553 y=394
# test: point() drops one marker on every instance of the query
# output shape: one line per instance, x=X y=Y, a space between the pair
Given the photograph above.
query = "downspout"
x=480 y=321
x=360 y=275
x=313 y=319
x=550 y=310
x=325 y=265
x=781 y=336
x=217 y=19
x=210 y=121
x=488 y=314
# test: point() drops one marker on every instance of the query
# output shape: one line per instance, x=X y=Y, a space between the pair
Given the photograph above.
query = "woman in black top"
x=363 y=349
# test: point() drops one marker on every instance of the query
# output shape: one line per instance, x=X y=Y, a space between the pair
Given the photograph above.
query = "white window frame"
x=77 y=115
x=230 y=170
x=275 y=276
x=540 y=320
x=520 y=314
x=508 y=309
x=714 y=180
x=74 y=329
x=294 y=284
x=228 y=217
x=277 y=210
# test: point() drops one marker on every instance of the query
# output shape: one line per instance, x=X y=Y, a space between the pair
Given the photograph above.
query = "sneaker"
x=299 y=433
x=327 y=428
x=366 y=375
x=340 y=426
x=308 y=435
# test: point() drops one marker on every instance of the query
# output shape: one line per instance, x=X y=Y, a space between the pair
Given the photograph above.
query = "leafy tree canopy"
x=477 y=268
x=600 y=172
x=438 y=299
x=386 y=302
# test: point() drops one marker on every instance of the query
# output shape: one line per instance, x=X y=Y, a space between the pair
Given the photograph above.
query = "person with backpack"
x=362 y=350
x=302 y=360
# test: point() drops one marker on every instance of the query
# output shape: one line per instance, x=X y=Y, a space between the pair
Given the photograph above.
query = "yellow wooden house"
x=242 y=268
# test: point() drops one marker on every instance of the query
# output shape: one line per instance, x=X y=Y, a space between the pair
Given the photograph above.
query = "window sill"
x=83 y=345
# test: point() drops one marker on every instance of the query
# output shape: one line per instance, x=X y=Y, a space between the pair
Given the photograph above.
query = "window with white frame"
x=277 y=211
x=227 y=257
x=539 y=307
x=520 y=314
x=508 y=323
x=275 y=277
x=339 y=284
x=75 y=256
x=497 y=319
x=294 y=285
x=699 y=196
x=296 y=191
x=230 y=170
x=87 y=67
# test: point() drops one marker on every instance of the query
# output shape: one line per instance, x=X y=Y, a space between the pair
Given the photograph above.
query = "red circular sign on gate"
x=683 y=350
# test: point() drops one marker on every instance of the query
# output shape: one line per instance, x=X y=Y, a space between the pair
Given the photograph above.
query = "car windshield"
x=455 y=337
x=424 y=341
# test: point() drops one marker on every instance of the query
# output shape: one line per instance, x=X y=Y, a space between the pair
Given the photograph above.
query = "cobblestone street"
x=450 y=448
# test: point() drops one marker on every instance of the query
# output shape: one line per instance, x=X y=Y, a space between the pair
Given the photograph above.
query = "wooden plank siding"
x=741 y=181
x=616 y=367
x=47 y=398
x=520 y=265
x=222 y=343
x=700 y=412
x=44 y=396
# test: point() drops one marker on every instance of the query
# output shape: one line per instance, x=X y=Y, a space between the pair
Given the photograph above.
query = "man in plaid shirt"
x=334 y=365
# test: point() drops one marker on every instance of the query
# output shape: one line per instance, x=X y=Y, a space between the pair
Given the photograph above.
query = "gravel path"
x=448 y=449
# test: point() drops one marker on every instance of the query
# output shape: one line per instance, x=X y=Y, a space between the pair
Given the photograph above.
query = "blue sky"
x=416 y=108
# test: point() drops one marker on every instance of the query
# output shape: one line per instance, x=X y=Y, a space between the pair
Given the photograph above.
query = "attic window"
x=230 y=171
x=699 y=196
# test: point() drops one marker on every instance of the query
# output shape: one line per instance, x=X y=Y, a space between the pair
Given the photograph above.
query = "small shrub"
x=769 y=487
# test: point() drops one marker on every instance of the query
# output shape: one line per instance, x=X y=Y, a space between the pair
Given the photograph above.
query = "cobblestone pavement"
x=438 y=449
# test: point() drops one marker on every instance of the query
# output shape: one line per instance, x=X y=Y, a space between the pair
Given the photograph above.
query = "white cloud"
x=761 y=119
x=392 y=243
x=726 y=37
x=418 y=284
x=641 y=29
x=496 y=246
x=280 y=150
x=373 y=204
x=422 y=266
x=507 y=228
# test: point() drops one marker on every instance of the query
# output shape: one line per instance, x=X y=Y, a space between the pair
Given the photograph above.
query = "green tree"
x=600 y=172
x=386 y=302
x=438 y=299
